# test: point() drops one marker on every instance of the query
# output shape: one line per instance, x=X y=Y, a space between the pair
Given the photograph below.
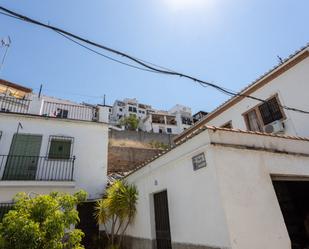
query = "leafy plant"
x=158 y=145
x=131 y=122
x=116 y=211
x=43 y=222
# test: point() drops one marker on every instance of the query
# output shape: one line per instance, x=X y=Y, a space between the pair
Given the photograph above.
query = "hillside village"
x=247 y=158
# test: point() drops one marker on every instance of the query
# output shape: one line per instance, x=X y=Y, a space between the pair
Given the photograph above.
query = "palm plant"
x=116 y=211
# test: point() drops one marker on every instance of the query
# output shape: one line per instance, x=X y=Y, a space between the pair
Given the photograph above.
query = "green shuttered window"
x=60 y=148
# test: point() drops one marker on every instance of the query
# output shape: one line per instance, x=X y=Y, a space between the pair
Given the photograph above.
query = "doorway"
x=22 y=161
x=162 y=222
x=293 y=197
x=88 y=224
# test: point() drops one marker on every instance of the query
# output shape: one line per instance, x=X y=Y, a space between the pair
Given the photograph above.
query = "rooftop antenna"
x=5 y=43
x=280 y=59
x=19 y=126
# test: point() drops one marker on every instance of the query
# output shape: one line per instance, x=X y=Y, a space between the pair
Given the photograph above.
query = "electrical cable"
x=149 y=66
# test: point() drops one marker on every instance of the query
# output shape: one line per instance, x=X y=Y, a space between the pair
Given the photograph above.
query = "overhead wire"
x=147 y=65
x=103 y=55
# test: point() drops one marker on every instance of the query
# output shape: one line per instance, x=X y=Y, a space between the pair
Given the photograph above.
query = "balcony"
x=39 y=107
x=35 y=168
x=69 y=111
x=15 y=105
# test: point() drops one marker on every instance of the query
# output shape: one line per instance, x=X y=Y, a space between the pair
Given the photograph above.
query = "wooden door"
x=23 y=157
x=162 y=222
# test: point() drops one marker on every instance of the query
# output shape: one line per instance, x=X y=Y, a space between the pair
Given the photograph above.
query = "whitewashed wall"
x=90 y=149
x=229 y=204
x=292 y=87
x=195 y=209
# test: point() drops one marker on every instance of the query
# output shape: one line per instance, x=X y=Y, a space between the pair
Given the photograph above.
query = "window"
x=252 y=121
x=61 y=113
x=120 y=109
x=270 y=111
x=60 y=147
x=264 y=114
x=186 y=120
x=132 y=109
x=169 y=130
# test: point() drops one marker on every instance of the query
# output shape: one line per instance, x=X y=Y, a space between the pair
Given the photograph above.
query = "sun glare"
x=184 y=4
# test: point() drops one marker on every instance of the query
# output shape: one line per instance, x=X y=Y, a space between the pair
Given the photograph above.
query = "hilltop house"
x=174 y=121
x=241 y=187
x=46 y=144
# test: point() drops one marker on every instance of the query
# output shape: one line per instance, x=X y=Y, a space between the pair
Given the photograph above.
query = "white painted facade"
x=127 y=107
x=84 y=126
x=289 y=81
x=174 y=121
x=90 y=165
x=230 y=203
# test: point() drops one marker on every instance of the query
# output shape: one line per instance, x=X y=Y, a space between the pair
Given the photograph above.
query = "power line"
x=147 y=66
x=105 y=56
x=90 y=49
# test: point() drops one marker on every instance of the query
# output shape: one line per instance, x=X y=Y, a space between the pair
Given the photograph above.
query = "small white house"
x=218 y=188
x=238 y=178
x=174 y=121
x=48 y=144
x=128 y=107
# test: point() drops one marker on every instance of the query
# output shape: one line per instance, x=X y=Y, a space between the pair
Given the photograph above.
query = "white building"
x=216 y=190
x=49 y=145
x=128 y=107
x=234 y=188
x=284 y=85
x=174 y=121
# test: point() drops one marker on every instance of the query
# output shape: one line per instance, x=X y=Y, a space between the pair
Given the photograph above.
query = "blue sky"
x=228 y=42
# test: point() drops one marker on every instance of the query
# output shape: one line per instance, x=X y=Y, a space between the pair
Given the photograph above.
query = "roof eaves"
x=16 y=86
x=208 y=117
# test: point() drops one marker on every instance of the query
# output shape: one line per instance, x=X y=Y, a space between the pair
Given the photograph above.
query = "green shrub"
x=42 y=222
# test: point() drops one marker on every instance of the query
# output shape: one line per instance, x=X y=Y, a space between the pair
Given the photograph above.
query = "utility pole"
x=5 y=43
x=40 y=91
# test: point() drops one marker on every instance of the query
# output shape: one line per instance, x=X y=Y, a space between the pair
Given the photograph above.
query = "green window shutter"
x=60 y=149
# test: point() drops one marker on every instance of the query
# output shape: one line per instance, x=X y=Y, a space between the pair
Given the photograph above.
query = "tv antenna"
x=4 y=43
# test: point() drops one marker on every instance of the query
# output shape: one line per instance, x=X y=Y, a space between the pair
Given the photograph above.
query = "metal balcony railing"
x=5 y=208
x=12 y=104
x=69 y=111
x=35 y=168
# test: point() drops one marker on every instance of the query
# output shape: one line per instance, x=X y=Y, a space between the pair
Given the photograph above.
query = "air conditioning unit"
x=275 y=127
